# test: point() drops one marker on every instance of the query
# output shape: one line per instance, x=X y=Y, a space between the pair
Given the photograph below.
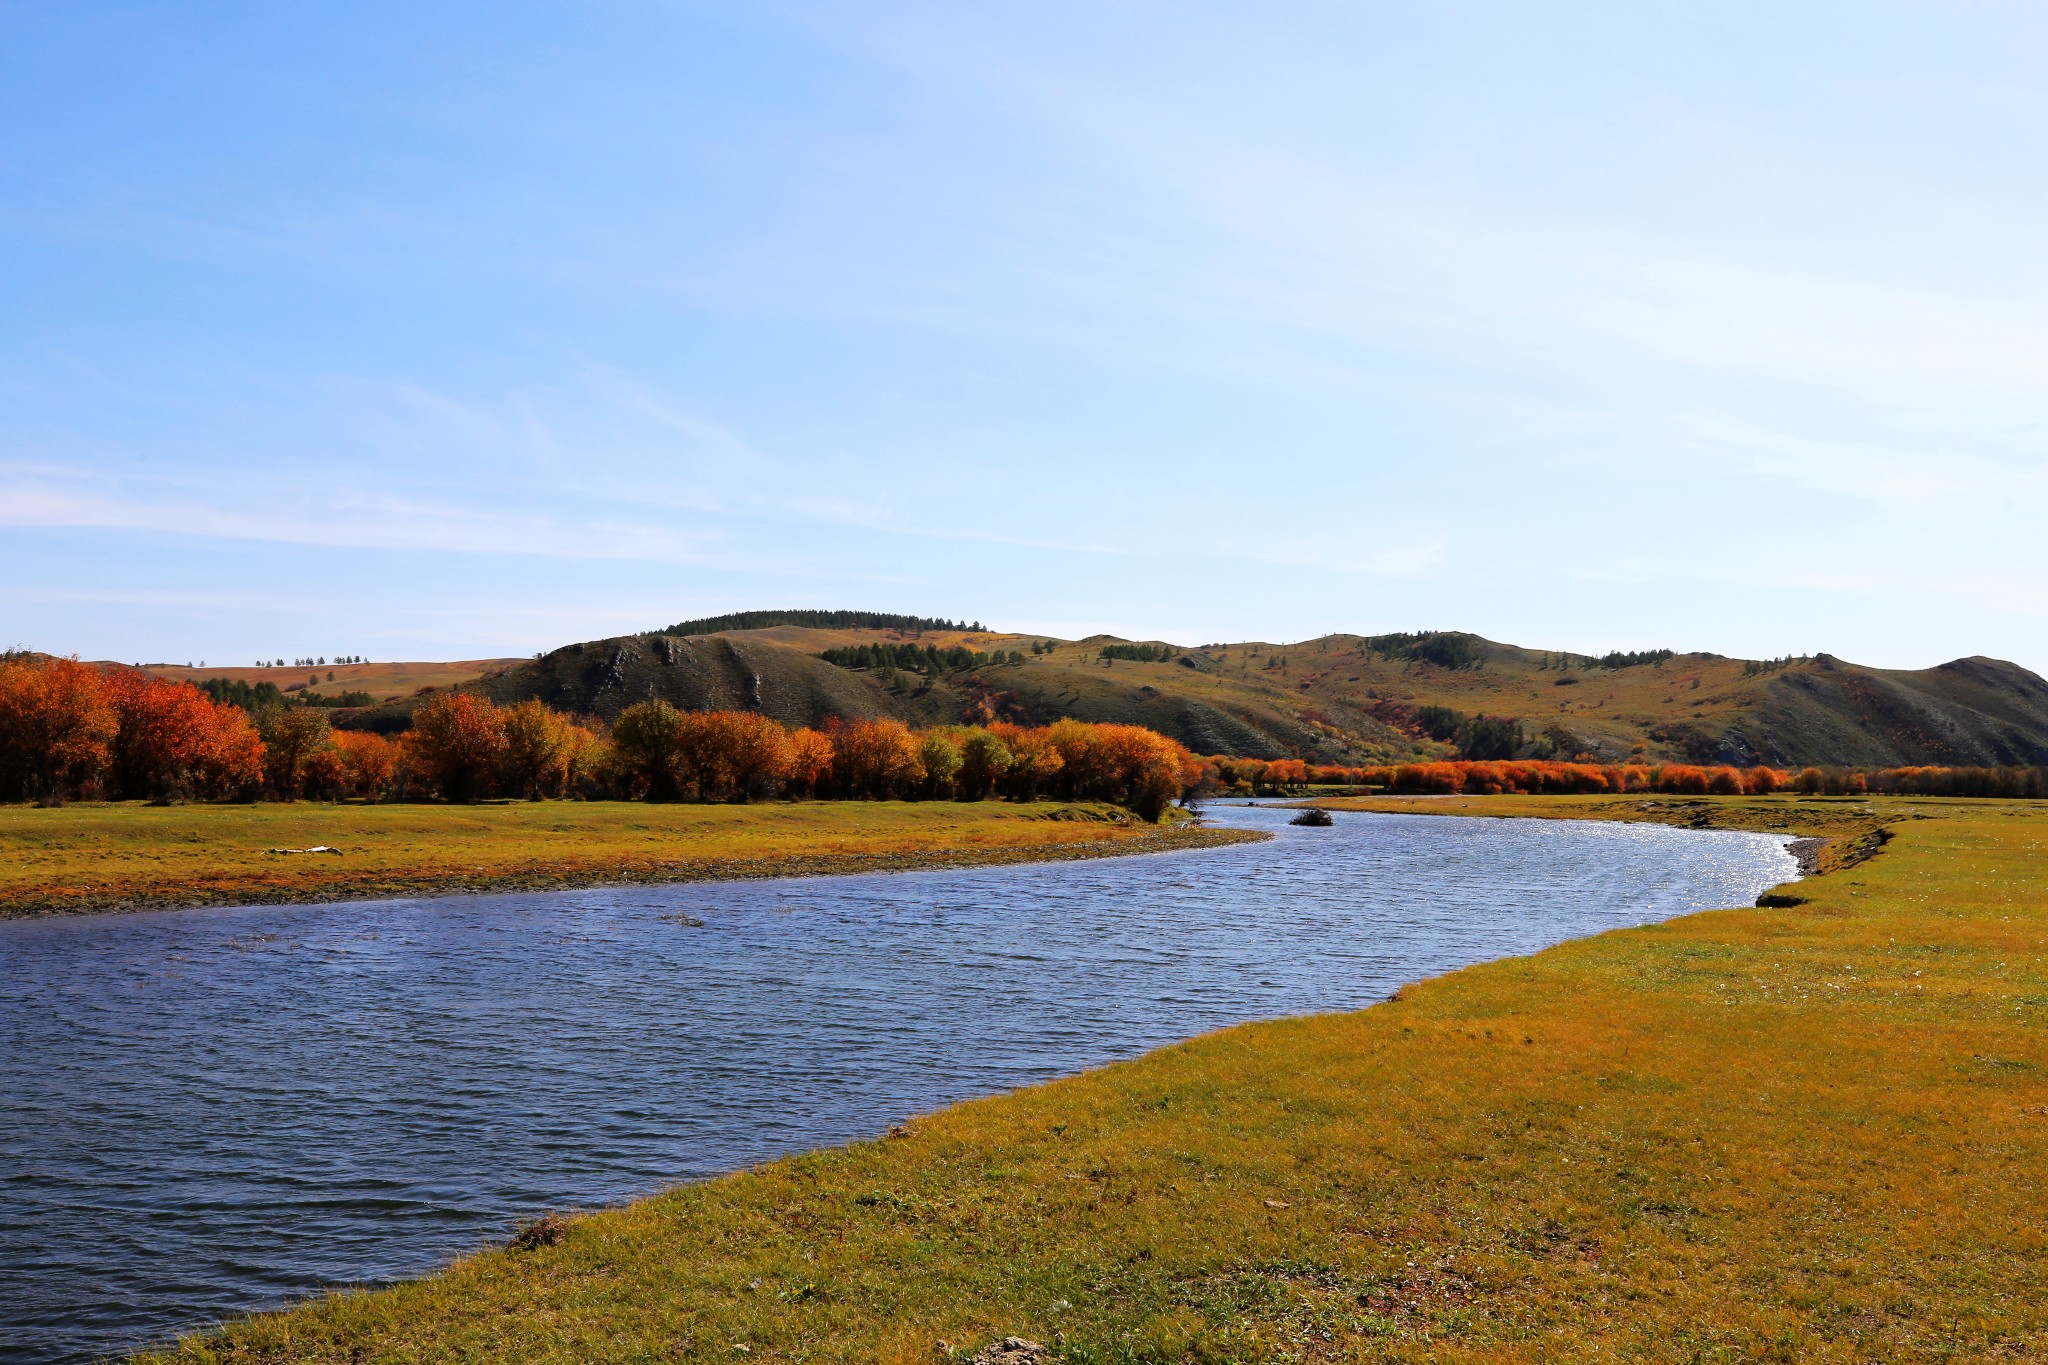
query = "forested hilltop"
x=1339 y=699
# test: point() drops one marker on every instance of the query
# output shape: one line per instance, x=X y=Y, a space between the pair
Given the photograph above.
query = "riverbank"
x=1808 y=1132
x=130 y=856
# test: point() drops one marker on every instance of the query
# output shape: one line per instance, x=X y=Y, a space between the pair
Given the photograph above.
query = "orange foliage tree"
x=732 y=755
x=807 y=762
x=368 y=762
x=874 y=758
x=1035 y=761
x=57 y=727
x=537 y=750
x=173 y=740
x=456 y=744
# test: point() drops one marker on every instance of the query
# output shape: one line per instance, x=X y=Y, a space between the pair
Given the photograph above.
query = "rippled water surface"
x=206 y=1112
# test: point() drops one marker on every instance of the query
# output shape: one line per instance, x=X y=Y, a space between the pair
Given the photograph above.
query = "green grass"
x=99 y=857
x=1812 y=1133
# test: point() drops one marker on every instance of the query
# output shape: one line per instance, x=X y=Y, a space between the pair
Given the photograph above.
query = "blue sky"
x=435 y=331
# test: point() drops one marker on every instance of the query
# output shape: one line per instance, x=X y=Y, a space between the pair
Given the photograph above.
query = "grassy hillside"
x=1338 y=699
x=1807 y=1133
x=386 y=682
x=128 y=856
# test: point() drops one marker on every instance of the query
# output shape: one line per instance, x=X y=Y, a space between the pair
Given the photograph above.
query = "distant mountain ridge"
x=1338 y=699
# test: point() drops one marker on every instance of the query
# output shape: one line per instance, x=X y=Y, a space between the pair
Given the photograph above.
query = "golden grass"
x=1813 y=1133
x=123 y=856
x=383 y=681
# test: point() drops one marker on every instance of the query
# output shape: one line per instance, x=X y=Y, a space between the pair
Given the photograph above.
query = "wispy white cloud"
x=46 y=496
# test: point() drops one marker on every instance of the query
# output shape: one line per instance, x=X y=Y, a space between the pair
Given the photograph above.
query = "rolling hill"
x=1337 y=699
x=391 y=681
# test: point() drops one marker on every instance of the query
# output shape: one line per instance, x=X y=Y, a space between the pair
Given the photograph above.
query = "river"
x=206 y=1112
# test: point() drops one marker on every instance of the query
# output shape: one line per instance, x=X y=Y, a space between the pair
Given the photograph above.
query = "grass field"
x=382 y=681
x=1807 y=1133
x=101 y=857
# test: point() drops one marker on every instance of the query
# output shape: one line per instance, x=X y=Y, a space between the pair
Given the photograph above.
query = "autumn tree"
x=875 y=758
x=230 y=761
x=591 y=766
x=729 y=755
x=1137 y=767
x=753 y=752
x=173 y=740
x=938 y=757
x=291 y=737
x=456 y=743
x=57 y=726
x=648 y=738
x=1080 y=768
x=806 y=762
x=536 y=752
x=368 y=762
x=325 y=774
x=984 y=758
x=1035 y=761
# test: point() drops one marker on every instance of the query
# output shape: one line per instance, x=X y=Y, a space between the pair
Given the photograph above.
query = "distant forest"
x=266 y=695
x=1444 y=648
x=1633 y=658
x=816 y=620
x=1144 y=654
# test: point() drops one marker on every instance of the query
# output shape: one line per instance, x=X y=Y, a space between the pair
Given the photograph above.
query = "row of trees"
x=1527 y=776
x=738 y=755
x=266 y=696
x=67 y=727
x=70 y=730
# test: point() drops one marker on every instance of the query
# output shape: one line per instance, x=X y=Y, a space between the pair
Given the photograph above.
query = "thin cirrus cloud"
x=46 y=496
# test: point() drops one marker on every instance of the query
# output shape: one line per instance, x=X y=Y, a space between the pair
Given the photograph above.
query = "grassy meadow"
x=1807 y=1133
x=383 y=681
x=128 y=855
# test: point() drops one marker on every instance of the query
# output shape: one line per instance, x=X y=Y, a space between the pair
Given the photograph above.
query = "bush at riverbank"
x=1802 y=1133
x=129 y=856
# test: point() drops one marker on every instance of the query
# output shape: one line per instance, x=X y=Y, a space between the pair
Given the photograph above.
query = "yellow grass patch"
x=382 y=681
x=128 y=855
